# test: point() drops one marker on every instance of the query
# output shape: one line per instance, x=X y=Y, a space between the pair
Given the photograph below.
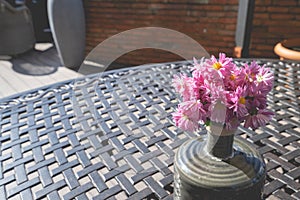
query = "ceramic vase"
x=218 y=166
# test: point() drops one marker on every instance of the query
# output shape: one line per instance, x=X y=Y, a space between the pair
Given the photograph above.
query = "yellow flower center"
x=259 y=78
x=232 y=77
x=217 y=66
x=250 y=77
x=242 y=100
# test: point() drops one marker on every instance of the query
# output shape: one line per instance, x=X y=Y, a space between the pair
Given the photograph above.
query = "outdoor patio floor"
x=35 y=68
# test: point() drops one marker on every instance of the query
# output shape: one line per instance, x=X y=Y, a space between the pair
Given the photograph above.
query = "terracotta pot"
x=285 y=50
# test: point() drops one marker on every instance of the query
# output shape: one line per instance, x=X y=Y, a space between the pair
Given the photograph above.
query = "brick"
x=282 y=16
x=277 y=9
x=215 y=14
x=294 y=10
x=273 y=21
x=226 y=32
x=231 y=27
x=210 y=7
x=283 y=30
x=222 y=20
x=261 y=16
x=285 y=2
x=260 y=8
x=290 y=23
x=263 y=2
x=217 y=1
x=259 y=22
x=225 y=2
x=231 y=8
x=265 y=47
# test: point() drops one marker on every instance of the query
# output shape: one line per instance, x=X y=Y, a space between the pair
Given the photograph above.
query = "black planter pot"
x=213 y=167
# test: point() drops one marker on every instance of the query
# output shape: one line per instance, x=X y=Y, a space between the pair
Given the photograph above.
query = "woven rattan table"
x=110 y=136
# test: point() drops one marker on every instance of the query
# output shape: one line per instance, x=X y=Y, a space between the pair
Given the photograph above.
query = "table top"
x=111 y=136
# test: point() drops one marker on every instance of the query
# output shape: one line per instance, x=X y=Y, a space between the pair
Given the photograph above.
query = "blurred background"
x=49 y=40
x=213 y=23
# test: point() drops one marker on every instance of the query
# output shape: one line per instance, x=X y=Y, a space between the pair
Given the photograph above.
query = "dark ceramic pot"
x=218 y=167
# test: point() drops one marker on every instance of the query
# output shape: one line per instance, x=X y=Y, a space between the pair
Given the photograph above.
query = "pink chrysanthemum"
x=247 y=74
x=264 y=79
x=221 y=92
x=223 y=65
x=188 y=115
x=182 y=121
x=261 y=118
x=217 y=112
x=231 y=120
x=183 y=86
x=238 y=102
x=256 y=101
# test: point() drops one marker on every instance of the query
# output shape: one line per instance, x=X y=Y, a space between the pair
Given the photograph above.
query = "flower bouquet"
x=221 y=96
x=219 y=87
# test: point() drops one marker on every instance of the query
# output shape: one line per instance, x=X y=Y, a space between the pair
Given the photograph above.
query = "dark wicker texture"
x=110 y=136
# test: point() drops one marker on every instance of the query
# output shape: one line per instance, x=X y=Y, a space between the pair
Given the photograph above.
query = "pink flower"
x=182 y=121
x=231 y=81
x=256 y=101
x=264 y=79
x=219 y=91
x=248 y=75
x=223 y=65
x=198 y=65
x=231 y=120
x=238 y=101
x=188 y=115
x=261 y=118
x=198 y=83
x=218 y=112
x=217 y=107
x=183 y=86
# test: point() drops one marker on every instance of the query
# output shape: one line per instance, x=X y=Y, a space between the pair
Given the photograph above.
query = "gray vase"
x=67 y=23
x=214 y=168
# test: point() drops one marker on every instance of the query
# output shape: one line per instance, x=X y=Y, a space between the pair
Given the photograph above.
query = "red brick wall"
x=212 y=25
x=273 y=21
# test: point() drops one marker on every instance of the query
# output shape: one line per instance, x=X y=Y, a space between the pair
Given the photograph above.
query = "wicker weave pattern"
x=110 y=136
